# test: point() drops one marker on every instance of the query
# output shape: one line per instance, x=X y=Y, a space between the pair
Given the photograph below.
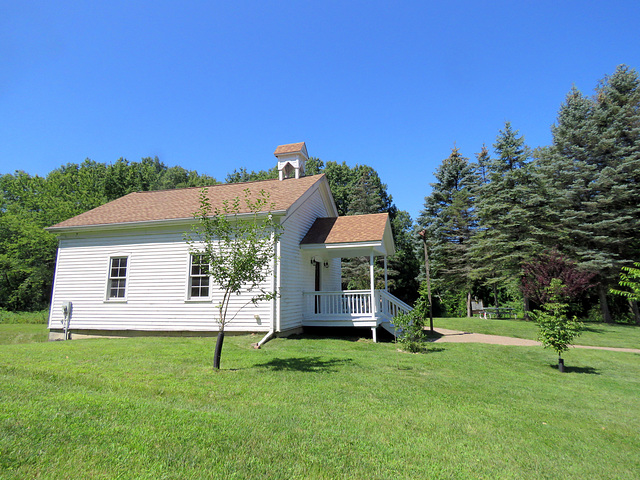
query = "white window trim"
x=127 y=285
x=188 y=297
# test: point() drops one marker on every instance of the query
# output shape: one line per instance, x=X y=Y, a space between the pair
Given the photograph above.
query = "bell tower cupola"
x=291 y=160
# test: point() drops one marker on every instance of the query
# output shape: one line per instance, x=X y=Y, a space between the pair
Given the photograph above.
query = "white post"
x=386 y=285
x=373 y=286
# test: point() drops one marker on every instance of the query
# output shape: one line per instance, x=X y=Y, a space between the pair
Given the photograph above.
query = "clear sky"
x=217 y=85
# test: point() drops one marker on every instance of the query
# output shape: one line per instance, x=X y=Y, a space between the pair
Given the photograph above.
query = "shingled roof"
x=182 y=203
x=349 y=229
x=291 y=148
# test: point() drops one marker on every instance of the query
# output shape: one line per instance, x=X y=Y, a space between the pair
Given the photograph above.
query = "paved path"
x=456 y=336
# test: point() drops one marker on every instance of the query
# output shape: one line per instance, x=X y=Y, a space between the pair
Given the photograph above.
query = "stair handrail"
x=387 y=300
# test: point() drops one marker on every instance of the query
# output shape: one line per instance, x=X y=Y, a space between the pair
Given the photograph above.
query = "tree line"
x=580 y=196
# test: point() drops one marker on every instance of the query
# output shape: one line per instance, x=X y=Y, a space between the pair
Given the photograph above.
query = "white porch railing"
x=351 y=307
x=390 y=306
x=338 y=305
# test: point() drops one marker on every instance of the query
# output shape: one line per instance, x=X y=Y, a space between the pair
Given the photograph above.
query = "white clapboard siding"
x=332 y=280
x=156 y=290
x=297 y=275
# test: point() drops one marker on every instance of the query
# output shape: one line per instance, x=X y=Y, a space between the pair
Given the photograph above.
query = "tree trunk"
x=426 y=266
x=633 y=304
x=495 y=295
x=218 y=351
x=560 y=364
x=604 y=306
x=526 y=307
x=469 y=314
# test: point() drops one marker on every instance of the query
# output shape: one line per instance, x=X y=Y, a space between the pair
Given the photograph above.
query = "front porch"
x=345 y=237
x=352 y=308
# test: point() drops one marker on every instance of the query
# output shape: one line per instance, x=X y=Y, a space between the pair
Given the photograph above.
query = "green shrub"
x=452 y=304
x=594 y=315
x=410 y=331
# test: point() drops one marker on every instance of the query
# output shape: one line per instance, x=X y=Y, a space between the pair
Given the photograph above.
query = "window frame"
x=125 y=278
x=190 y=277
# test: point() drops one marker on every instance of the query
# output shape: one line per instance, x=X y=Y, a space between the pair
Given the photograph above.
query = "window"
x=117 y=277
x=198 y=278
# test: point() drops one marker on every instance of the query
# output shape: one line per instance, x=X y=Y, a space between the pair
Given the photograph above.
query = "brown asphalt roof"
x=349 y=229
x=289 y=148
x=182 y=203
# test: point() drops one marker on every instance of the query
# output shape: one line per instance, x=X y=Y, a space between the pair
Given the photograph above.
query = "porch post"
x=386 y=286
x=373 y=285
x=373 y=298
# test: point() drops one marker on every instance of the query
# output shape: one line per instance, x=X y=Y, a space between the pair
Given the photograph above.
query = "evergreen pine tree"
x=593 y=168
x=508 y=210
x=449 y=222
x=367 y=194
x=482 y=165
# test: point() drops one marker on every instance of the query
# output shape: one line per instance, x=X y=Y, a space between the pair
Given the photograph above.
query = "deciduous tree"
x=237 y=252
x=630 y=282
x=557 y=330
x=539 y=273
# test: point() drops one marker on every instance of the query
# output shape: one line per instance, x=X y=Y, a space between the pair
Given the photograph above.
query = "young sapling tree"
x=557 y=330
x=235 y=245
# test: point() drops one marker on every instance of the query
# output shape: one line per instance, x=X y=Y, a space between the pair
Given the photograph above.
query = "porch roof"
x=350 y=236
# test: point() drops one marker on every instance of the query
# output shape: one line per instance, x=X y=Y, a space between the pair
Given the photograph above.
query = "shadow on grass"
x=433 y=336
x=349 y=334
x=423 y=350
x=305 y=364
x=431 y=349
x=593 y=329
x=570 y=369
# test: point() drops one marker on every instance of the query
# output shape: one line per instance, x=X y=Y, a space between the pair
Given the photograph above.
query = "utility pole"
x=426 y=266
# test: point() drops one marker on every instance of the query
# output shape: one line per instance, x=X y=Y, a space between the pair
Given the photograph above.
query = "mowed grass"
x=153 y=408
x=12 y=334
x=595 y=334
x=23 y=327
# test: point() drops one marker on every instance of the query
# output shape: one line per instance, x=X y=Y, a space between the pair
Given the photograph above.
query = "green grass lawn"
x=596 y=334
x=153 y=408
x=24 y=333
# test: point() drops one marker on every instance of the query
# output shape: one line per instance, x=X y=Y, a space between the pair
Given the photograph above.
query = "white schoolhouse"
x=124 y=268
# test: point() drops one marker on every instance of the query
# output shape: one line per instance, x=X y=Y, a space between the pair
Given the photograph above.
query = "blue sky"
x=214 y=86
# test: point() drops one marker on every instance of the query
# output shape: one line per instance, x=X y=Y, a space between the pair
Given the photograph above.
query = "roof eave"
x=347 y=249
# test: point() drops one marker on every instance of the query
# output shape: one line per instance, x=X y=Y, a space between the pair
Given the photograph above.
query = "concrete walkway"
x=456 y=336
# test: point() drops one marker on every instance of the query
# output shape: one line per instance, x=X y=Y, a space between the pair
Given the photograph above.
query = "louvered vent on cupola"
x=291 y=160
